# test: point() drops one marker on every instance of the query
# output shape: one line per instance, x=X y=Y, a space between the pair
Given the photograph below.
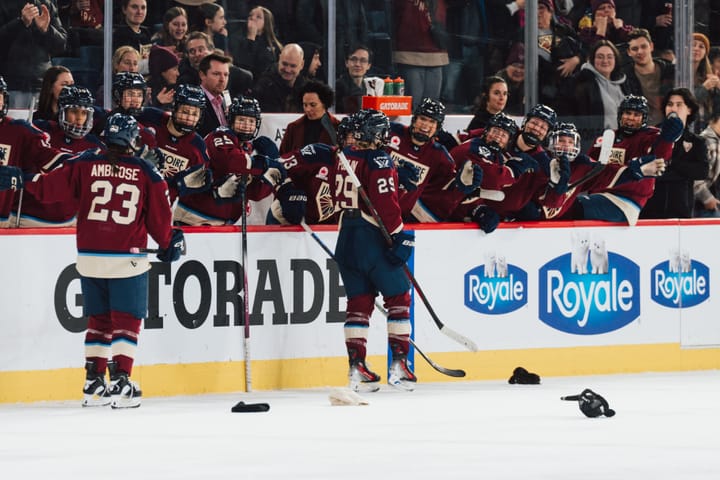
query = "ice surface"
x=667 y=427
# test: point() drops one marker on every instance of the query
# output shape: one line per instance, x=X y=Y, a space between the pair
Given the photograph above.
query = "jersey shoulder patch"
x=378 y=160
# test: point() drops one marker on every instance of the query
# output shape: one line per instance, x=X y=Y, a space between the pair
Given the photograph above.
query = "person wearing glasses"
x=352 y=84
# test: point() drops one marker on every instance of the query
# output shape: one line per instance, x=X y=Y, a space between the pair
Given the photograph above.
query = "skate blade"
x=365 y=387
x=403 y=385
x=125 y=403
x=96 y=401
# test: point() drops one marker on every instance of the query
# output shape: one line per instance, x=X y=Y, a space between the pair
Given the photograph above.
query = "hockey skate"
x=400 y=376
x=124 y=392
x=96 y=392
x=362 y=379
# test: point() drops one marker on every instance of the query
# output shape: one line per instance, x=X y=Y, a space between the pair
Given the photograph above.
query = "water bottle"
x=399 y=86
x=388 y=87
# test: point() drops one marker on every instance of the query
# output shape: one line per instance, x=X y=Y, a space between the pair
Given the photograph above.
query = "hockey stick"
x=461 y=339
x=31 y=112
x=608 y=139
x=246 y=307
x=154 y=250
x=445 y=371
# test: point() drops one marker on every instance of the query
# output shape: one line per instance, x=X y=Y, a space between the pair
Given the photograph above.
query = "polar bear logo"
x=598 y=256
x=490 y=264
x=579 y=252
x=501 y=266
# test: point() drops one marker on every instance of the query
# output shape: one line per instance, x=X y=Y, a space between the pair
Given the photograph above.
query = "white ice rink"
x=667 y=427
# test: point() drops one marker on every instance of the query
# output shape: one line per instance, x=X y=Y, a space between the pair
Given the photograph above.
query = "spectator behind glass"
x=54 y=80
x=131 y=30
x=173 y=33
x=707 y=194
x=559 y=56
x=125 y=59
x=316 y=125
x=86 y=23
x=30 y=33
x=210 y=19
x=598 y=91
x=258 y=50
x=604 y=24
x=163 y=77
x=647 y=76
x=278 y=89
x=492 y=100
x=312 y=70
x=514 y=76
x=351 y=86
x=706 y=83
x=418 y=54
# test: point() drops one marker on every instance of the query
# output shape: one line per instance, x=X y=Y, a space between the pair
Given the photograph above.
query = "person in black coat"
x=673 y=196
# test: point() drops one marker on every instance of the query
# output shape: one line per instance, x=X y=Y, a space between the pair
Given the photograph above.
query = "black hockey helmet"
x=6 y=97
x=430 y=108
x=564 y=130
x=503 y=122
x=635 y=103
x=544 y=113
x=187 y=95
x=128 y=81
x=346 y=126
x=245 y=107
x=372 y=126
x=72 y=96
x=121 y=130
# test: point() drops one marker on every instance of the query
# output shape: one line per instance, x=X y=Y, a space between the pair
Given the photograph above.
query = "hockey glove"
x=529 y=212
x=230 y=190
x=11 y=178
x=195 y=179
x=522 y=163
x=293 y=202
x=447 y=139
x=486 y=218
x=408 y=176
x=646 y=166
x=671 y=128
x=401 y=249
x=469 y=177
x=176 y=247
x=559 y=174
x=153 y=156
x=274 y=172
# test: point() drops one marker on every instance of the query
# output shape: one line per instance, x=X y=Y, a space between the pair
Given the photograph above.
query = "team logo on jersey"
x=495 y=287
x=483 y=151
x=617 y=155
x=383 y=162
x=308 y=150
x=5 y=151
x=423 y=169
x=325 y=202
x=680 y=282
x=589 y=291
x=174 y=163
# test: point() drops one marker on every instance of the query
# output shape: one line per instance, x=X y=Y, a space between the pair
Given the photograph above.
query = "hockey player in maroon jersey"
x=500 y=168
x=555 y=202
x=539 y=122
x=184 y=154
x=70 y=134
x=235 y=152
x=122 y=199
x=366 y=262
x=440 y=186
x=307 y=192
x=634 y=140
x=25 y=146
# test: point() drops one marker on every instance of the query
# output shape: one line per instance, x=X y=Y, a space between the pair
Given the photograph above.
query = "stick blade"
x=608 y=139
x=494 y=195
x=461 y=339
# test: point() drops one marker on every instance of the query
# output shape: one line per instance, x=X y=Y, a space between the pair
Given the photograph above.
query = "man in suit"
x=199 y=46
x=214 y=74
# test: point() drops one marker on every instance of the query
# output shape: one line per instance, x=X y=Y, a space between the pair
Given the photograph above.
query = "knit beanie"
x=548 y=3
x=161 y=59
x=595 y=4
x=704 y=39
